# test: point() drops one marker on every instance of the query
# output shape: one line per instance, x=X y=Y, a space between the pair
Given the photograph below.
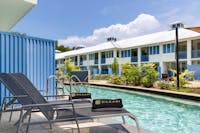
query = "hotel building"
x=157 y=48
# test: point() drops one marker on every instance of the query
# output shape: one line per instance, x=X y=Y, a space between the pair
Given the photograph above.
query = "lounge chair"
x=63 y=114
x=19 y=97
x=28 y=86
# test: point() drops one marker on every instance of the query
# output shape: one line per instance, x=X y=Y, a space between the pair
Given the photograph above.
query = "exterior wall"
x=31 y=56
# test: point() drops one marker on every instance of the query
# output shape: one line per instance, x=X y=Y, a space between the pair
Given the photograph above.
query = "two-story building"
x=158 y=48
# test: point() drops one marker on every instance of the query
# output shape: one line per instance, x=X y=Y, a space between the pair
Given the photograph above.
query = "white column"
x=99 y=62
x=88 y=62
x=189 y=52
x=114 y=53
x=139 y=56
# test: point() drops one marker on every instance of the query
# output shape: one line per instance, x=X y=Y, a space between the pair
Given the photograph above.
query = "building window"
x=154 y=50
x=164 y=48
x=125 y=53
x=91 y=56
x=168 y=48
x=109 y=54
x=172 y=48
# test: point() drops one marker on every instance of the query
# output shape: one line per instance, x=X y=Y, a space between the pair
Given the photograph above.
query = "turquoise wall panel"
x=34 y=57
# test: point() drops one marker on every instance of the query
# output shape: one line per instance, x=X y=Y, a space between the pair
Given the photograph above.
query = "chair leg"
x=2 y=107
x=123 y=119
x=20 y=121
x=50 y=125
x=1 y=111
x=29 y=119
x=11 y=113
x=77 y=126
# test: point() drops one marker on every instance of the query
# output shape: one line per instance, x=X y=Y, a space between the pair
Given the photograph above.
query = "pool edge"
x=181 y=95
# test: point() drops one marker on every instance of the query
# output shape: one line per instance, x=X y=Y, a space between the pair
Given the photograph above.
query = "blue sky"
x=88 y=22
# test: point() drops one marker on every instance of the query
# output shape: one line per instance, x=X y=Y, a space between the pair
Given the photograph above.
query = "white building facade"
x=157 y=48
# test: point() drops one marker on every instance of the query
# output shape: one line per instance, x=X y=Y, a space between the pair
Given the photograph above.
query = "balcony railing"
x=145 y=58
x=196 y=53
x=182 y=54
x=96 y=61
x=134 y=59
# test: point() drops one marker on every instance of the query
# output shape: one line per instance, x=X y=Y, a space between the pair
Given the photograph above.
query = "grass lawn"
x=187 y=90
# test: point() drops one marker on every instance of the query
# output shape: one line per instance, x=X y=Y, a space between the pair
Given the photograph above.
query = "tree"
x=115 y=66
x=69 y=67
x=149 y=74
x=62 y=48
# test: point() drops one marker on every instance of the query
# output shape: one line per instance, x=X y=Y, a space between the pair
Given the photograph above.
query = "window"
x=158 y=49
x=168 y=48
x=125 y=53
x=91 y=56
x=151 y=50
x=172 y=48
x=164 y=49
x=154 y=50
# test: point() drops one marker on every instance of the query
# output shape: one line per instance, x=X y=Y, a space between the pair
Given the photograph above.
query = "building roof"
x=146 y=40
x=196 y=29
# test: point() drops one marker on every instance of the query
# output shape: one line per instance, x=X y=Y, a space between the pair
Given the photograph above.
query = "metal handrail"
x=47 y=82
x=79 y=82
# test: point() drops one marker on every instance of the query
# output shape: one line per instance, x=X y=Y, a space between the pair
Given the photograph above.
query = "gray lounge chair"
x=20 y=96
x=17 y=92
x=28 y=86
x=63 y=114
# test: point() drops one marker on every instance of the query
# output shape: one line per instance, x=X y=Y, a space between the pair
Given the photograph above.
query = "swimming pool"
x=156 y=113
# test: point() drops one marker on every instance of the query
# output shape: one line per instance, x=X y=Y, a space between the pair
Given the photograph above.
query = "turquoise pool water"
x=159 y=114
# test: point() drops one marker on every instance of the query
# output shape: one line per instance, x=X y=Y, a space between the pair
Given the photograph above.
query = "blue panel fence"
x=34 y=57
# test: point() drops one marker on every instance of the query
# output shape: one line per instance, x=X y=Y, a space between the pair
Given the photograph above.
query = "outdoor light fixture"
x=175 y=26
x=177 y=58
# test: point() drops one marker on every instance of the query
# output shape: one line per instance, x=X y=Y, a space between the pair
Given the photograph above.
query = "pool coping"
x=181 y=95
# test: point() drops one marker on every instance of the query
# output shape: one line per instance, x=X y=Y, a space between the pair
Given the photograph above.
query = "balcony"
x=196 y=53
x=96 y=61
x=103 y=60
x=182 y=54
x=145 y=58
x=134 y=59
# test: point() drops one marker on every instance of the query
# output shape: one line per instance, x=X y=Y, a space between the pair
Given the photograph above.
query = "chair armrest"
x=55 y=96
x=19 y=96
x=46 y=104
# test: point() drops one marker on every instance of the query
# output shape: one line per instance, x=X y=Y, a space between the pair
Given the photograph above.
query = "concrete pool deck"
x=189 y=96
x=96 y=126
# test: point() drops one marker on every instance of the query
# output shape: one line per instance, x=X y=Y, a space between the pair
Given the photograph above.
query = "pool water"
x=159 y=114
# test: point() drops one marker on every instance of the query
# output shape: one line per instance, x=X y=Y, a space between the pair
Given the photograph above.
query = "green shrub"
x=131 y=73
x=183 y=77
x=101 y=77
x=164 y=85
x=117 y=79
x=149 y=75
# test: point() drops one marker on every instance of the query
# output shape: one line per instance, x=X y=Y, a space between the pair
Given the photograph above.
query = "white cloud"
x=142 y=24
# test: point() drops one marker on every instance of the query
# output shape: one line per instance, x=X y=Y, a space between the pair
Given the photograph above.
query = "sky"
x=89 y=22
